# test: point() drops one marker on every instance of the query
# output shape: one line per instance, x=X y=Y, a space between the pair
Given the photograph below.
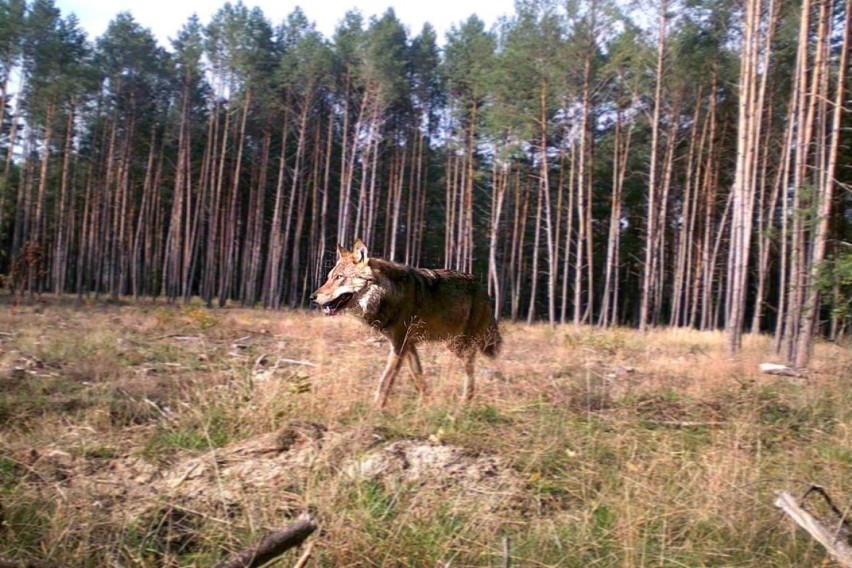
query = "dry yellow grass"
x=164 y=436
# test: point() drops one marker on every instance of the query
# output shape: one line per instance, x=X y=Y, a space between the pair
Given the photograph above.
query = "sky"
x=164 y=18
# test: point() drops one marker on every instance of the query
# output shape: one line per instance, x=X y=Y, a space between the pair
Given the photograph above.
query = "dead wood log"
x=833 y=541
x=273 y=545
x=782 y=370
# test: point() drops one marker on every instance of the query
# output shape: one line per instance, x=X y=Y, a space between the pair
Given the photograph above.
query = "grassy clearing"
x=170 y=436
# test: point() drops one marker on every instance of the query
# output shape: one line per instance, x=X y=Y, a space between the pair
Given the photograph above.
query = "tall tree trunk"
x=805 y=107
x=500 y=181
x=319 y=271
x=621 y=150
x=825 y=191
x=140 y=276
x=38 y=233
x=229 y=245
x=64 y=221
x=218 y=145
x=569 y=229
x=519 y=230
x=649 y=274
x=544 y=165
x=271 y=283
x=684 y=235
x=534 y=271
x=751 y=102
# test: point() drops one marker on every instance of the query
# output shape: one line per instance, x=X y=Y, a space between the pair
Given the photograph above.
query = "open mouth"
x=335 y=305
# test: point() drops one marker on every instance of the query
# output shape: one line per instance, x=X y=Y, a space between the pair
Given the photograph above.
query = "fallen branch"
x=507 y=552
x=832 y=541
x=13 y=563
x=303 y=560
x=819 y=490
x=178 y=337
x=273 y=545
x=296 y=362
x=689 y=423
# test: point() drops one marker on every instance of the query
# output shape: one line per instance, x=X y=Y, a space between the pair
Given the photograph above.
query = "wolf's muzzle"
x=331 y=307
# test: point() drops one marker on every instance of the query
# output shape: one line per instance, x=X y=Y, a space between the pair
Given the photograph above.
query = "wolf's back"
x=450 y=304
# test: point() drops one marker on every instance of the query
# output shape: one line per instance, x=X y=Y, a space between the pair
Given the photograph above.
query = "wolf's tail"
x=493 y=341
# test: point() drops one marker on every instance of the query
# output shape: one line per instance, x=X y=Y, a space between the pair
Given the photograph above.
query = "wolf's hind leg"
x=413 y=361
x=391 y=370
x=469 y=366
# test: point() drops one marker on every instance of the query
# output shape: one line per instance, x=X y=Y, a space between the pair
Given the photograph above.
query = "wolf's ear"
x=340 y=251
x=359 y=251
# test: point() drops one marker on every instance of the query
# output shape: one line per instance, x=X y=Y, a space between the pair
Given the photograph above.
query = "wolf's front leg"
x=391 y=369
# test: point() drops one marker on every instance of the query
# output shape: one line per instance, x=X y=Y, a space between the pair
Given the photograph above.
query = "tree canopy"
x=678 y=163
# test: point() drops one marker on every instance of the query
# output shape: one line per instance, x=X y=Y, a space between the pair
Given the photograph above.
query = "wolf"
x=408 y=305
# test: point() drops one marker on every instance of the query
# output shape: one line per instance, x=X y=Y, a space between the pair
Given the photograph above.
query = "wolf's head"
x=347 y=282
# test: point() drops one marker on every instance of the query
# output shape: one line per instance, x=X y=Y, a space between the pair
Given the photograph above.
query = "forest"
x=679 y=163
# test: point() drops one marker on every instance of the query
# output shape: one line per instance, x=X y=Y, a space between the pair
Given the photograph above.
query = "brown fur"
x=408 y=305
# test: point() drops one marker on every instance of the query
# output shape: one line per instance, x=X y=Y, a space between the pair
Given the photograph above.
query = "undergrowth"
x=624 y=449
